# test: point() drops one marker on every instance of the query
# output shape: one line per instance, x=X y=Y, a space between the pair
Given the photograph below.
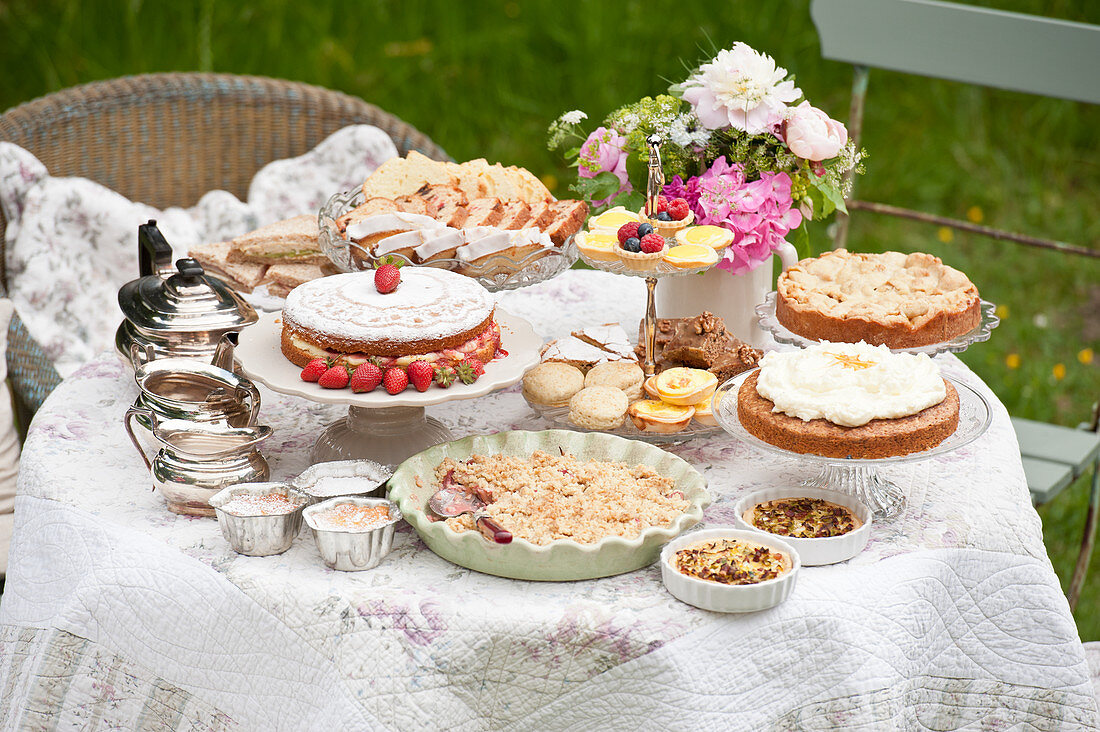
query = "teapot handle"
x=253 y=401
x=154 y=251
x=136 y=354
x=128 y=421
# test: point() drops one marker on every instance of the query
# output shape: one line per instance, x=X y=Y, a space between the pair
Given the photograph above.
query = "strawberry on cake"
x=431 y=315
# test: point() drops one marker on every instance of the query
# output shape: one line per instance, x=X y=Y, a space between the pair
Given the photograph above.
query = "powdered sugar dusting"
x=429 y=303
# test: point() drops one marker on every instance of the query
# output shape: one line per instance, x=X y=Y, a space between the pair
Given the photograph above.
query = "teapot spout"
x=223 y=354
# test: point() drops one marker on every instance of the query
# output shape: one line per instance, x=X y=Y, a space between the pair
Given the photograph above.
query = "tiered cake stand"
x=383 y=427
x=860 y=478
x=660 y=270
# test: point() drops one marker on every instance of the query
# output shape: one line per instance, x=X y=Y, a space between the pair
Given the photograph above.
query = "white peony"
x=740 y=88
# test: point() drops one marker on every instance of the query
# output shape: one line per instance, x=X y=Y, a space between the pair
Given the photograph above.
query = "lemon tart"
x=714 y=237
x=691 y=255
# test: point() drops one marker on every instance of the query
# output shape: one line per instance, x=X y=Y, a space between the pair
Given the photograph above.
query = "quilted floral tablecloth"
x=119 y=614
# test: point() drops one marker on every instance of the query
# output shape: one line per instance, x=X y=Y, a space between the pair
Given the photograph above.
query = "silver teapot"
x=176 y=311
x=187 y=389
x=198 y=459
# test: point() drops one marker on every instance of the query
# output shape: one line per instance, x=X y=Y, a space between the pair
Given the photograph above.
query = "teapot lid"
x=187 y=300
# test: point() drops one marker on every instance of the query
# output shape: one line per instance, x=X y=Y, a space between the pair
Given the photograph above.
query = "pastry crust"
x=879 y=438
x=902 y=301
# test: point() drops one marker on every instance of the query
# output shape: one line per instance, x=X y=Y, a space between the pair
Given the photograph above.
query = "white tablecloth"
x=120 y=614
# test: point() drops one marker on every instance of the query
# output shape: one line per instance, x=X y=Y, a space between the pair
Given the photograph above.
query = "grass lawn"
x=485 y=79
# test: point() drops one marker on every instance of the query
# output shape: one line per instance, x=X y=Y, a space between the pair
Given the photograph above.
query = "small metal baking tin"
x=359 y=478
x=259 y=536
x=352 y=551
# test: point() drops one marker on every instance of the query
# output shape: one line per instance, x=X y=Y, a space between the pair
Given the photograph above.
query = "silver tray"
x=560 y=417
x=495 y=273
x=765 y=315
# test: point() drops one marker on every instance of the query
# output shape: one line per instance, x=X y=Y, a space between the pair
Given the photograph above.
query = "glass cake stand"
x=765 y=314
x=383 y=427
x=660 y=270
x=860 y=478
x=495 y=273
x=560 y=417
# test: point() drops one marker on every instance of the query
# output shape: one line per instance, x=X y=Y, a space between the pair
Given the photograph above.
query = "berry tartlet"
x=640 y=246
x=672 y=216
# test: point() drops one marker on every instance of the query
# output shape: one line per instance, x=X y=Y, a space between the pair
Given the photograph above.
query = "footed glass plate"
x=495 y=273
x=765 y=314
x=560 y=417
x=859 y=477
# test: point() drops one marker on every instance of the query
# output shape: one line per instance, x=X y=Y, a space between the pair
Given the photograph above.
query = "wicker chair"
x=165 y=140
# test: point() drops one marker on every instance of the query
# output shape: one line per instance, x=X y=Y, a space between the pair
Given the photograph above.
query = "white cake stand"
x=383 y=427
x=859 y=478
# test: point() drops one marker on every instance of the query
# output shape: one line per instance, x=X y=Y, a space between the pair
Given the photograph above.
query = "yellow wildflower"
x=1001 y=311
x=1059 y=371
x=550 y=181
x=975 y=214
x=1085 y=356
x=945 y=235
x=1012 y=360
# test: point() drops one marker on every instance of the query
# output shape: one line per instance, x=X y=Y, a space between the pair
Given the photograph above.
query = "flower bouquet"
x=738 y=145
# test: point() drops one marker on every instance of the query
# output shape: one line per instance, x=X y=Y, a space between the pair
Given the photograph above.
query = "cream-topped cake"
x=848 y=400
x=849 y=384
x=433 y=315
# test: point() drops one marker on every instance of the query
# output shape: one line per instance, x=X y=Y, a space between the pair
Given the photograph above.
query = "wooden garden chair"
x=993 y=48
x=165 y=140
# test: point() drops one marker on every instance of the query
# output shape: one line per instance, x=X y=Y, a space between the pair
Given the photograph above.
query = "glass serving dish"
x=560 y=417
x=495 y=273
x=765 y=314
x=859 y=477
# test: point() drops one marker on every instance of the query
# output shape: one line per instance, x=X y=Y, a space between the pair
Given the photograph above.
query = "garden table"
x=118 y=613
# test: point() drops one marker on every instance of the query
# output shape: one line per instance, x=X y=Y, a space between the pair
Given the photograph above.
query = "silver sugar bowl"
x=175 y=310
x=198 y=459
x=187 y=389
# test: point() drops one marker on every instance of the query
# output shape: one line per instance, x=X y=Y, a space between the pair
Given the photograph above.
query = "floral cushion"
x=72 y=243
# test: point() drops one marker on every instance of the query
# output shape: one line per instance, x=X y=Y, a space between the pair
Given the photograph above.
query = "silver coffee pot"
x=198 y=459
x=175 y=311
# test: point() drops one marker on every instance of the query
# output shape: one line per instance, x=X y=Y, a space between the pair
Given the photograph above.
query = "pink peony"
x=604 y=150
x=812 y=135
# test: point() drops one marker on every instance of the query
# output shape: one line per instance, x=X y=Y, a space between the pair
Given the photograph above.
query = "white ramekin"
x=814 y=552
x=728 y=598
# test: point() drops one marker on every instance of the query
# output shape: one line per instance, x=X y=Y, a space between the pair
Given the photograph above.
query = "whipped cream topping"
x=849 y=384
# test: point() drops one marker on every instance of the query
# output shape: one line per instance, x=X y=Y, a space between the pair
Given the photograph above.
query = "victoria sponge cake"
x=848 y=400
x=433 y=315
x=900 y=300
